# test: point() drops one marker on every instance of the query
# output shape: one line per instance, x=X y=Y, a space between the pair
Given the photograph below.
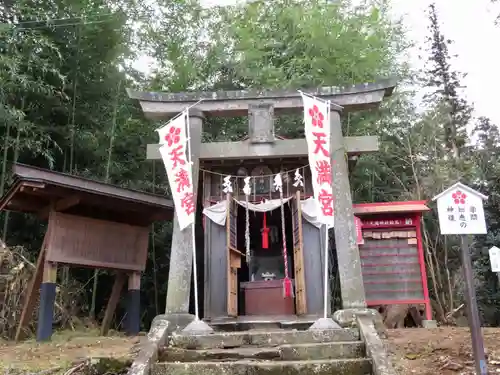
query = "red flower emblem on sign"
x=317 y=116
x=173 y=136
x=459 y=197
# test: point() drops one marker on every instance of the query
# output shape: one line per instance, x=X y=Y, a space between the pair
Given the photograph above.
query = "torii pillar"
x=161 y=106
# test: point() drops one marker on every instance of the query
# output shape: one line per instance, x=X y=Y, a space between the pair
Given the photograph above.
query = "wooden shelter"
x=90 y=224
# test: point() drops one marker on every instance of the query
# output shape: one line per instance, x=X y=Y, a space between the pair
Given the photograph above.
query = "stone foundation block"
x=262 y=339
x=325 y=367
x=294 y=352
x=348 y=318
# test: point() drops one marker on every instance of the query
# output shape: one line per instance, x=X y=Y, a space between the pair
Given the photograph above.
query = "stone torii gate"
x=260 y=107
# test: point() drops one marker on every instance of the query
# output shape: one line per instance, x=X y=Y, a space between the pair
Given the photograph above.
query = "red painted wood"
x=428 y=310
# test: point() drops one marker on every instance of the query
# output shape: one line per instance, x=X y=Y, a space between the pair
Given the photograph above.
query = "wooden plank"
x=285 y=148
x=114 y=298
x=60 y=205
x=236 y=251
x=97 y=243
x=300 y=284
x=235 y=260
x=232 y=281
x=33 y=290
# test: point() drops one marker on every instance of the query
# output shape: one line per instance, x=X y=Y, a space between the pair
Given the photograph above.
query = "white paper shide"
x=317 y=131
x=460 y=210
x=173 y=140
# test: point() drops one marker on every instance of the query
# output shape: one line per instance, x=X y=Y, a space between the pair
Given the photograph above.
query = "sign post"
x=460 y=211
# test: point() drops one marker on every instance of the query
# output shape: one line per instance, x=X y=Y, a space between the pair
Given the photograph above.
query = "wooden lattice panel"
x=390 y=266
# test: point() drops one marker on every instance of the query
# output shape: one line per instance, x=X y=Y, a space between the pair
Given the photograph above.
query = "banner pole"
x=325 y=281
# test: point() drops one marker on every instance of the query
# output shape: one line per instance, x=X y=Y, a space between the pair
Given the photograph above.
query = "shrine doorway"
x=261 y=281
x=227 y=274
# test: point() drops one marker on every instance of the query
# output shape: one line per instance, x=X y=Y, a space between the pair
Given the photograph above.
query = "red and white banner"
x=317 y=131
x=174 y=143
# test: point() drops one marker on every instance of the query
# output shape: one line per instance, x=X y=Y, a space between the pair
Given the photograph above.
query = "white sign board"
x=460 y=210
x=495 y=259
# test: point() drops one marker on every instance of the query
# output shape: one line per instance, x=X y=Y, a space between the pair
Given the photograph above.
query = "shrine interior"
x=265 y=263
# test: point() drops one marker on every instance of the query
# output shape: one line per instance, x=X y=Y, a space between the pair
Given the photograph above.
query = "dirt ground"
x=440 y=351
x=66 y=350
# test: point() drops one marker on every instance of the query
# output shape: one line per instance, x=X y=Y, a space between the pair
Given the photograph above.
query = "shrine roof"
x=161 y=105
x=35 y=190
x=390 y=207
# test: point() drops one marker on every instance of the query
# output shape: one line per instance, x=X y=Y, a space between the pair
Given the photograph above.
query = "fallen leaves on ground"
x=443 y=351
x=66 y=350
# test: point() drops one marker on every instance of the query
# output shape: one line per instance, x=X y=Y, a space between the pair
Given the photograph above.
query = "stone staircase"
x=264 y=352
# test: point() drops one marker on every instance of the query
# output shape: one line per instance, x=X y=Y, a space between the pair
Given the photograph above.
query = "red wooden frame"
x=389 y=215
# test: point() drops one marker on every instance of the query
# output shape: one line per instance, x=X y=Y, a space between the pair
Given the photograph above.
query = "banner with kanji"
x=174 y=144
x=317 y=131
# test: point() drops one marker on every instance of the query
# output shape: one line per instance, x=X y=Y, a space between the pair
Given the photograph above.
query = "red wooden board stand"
x=392 y=255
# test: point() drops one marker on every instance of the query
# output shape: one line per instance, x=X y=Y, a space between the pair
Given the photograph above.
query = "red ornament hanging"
x=265 y=234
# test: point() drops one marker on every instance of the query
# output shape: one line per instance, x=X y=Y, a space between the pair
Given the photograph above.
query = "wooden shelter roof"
x=361 y=209
x=36 y=190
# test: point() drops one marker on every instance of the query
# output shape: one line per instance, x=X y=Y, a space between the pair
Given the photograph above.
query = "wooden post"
x=47 y=300
x=423 y=272
x=31 y=293
x=114 y=298
x=348 y=260
x=472 y=310
x=134 y=304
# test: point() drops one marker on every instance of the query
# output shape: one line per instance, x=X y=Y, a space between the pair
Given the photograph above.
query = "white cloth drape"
x=217 y=213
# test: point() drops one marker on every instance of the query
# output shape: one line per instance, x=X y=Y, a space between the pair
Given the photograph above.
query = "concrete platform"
x=361 y=366
x=224 y=340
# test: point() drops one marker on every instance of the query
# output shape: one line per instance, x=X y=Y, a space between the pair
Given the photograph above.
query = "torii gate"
x=260 y=107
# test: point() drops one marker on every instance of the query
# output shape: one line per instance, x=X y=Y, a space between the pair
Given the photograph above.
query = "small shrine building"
x=377 y=246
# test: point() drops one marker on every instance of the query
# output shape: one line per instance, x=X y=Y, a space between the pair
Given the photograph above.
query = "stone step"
x=327 y=350
x=360 y=366
x=269 y=323
x=262 y=339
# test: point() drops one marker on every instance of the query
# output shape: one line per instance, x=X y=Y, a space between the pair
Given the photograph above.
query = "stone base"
x=197 y=327
x=261 y=338
x=358 y=366
x=161 y=328
x=348 y=318
x=176 y=322
x=429 y=324
x=375 y=348
x=287 y=352
x=324 y=323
